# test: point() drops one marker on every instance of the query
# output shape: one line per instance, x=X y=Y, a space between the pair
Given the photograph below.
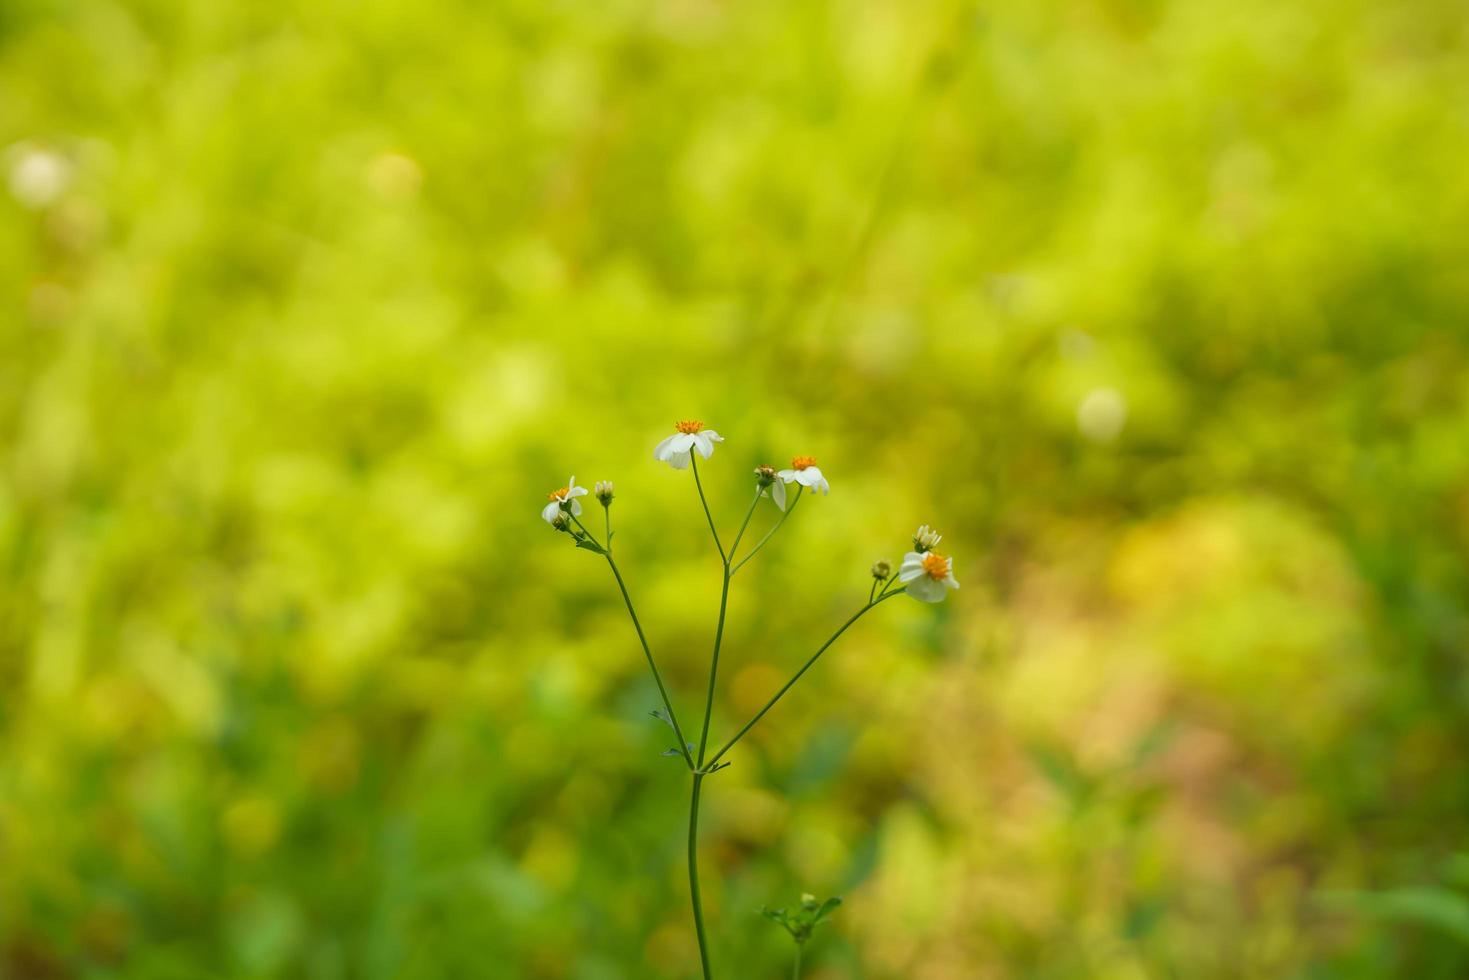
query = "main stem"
x=796 y=973
x=724 y=558
x=694 y=875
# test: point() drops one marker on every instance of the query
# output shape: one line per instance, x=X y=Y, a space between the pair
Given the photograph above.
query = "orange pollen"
x=690 y=426
x=935 y=565
x=558 y=494
x=801 y=462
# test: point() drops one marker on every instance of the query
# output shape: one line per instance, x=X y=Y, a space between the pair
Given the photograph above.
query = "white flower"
x=691 y=434
x=558 y=497
x=803 y=471
x=927 y=575
x=926 y=539
x=768 y=483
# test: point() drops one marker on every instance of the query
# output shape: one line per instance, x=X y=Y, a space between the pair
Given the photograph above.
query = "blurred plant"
x=800 y=922
x=924 y=574
x=1442 y=908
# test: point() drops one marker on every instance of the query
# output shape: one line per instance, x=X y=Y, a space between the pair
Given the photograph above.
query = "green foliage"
x=1156 y=308
x=805 y=918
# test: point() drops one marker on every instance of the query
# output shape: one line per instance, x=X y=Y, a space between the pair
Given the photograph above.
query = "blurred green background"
x=1155 y=308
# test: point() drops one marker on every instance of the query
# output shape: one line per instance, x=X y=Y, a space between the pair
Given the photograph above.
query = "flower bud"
x=926 y=539
x=764 y=475
x=881 y=570
x=603 y=490
x=560 y=521
x=808 y=901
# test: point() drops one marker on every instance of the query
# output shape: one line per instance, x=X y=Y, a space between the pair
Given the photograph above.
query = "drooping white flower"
x=769 y=483
x=928 y=575
x=566 y=494
x=805 y=472
x=691 y=434
x=926 y=539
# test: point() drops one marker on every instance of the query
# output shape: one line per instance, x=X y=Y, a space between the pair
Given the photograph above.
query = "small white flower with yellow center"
x=566 y=495
x=928 y=575
x=691 y=434
x=926 y=539
x=804 y=471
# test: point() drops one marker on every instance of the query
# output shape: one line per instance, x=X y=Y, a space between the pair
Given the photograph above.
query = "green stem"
x=694 y=875
x=748 y=514
x=694 y=461
x=790 y=683
x=796 y=973
x=714 y=665
x=683 y=747
x=770 y=533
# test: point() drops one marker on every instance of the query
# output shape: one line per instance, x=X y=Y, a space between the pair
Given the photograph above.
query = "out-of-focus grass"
x=1155 y=308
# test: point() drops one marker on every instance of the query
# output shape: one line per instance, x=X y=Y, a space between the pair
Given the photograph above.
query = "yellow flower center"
x=558 y=494
x=802 y=462
x=935 y=565
x=690 y=427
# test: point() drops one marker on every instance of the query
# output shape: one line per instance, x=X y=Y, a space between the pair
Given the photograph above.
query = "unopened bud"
x=560 y=521
x=764 y=475
x=603 y=491
x=881 y=570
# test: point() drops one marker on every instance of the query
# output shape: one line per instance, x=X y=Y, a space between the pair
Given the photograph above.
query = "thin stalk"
x=748 y=514
x=790 y=683
x=796 y=973
x=694 y=461
x=769 y=534
x=683 y=747
x=714 y=665
x=719 y=629
x=694 y=875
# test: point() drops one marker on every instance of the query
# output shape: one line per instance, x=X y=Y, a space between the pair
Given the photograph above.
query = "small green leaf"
x=590 y=545
x=827 y=907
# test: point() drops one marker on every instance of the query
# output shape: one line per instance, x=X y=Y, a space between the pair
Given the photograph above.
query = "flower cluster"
x=924 y=574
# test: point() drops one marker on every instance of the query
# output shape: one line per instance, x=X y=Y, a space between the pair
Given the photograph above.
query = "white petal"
x=703 y=445
x=576 y=508
x=711 y=434
x=578 y=492
x=662 y=450
x=571 y=483
x=911 y=568
x=548 y=512
x=926 y=589
x=778 y=494
x=787 y=475
x=951 y=581
x=825 y=487
x=679 y=461
x=683 y=442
